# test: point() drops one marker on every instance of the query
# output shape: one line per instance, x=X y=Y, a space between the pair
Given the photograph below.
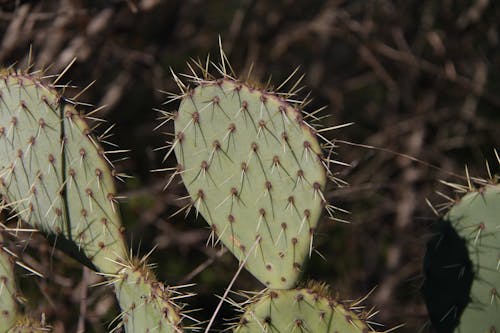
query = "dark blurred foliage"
x=418 y=77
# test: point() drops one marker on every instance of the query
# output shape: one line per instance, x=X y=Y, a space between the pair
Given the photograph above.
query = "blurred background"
x=417 y=77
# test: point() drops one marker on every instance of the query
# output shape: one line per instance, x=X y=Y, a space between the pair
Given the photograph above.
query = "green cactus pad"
x=53 y=173
x=8 y=305
x=147 y=306
x=299 y=310
x=254 y=170
x=470 y=276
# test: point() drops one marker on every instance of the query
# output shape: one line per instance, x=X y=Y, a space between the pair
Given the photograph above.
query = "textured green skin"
x=299 y=310
x=267 y=200
x=477 y=219
x=54 y=186
x=8 y=306
x=155 y=311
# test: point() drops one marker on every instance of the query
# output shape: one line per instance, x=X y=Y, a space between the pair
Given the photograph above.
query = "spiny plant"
x=462 y=263
x=256 y=171
x=55 y=176
x=12 y=321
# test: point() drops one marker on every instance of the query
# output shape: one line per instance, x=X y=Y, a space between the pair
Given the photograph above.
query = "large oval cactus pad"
x=254 y=170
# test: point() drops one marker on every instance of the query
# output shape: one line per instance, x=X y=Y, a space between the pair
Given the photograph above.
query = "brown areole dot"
x=230 y=218
x=196 y=117
x=269 y=267
x=244 y=105
x=269 y=186
x=232 y=127
x=254 y=146
x=294 y=240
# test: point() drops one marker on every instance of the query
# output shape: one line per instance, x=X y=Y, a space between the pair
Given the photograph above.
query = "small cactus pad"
x=253 y=168
x=53 y=173
x=299 y=310
x=8 y=306
x=475 y=218
x=147 y=305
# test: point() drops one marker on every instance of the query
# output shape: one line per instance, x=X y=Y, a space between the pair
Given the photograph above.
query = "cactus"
x=56 y=177
x=11 y=319
x=8 y=304
x=463 y=265
x=309 y=309
x=254 y=170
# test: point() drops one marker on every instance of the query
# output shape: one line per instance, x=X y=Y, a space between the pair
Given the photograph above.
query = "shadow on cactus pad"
x=448 y=277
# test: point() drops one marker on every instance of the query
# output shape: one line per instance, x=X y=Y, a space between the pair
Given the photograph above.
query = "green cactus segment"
x=90 y=195
x=477 y=219
x=147 y=305
x=462 y=266
x=299 y=310
x=254 y=170
x=8 y=305
x=53 y=172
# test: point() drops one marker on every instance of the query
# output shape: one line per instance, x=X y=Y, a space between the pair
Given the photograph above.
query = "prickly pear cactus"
x=254 y=170
x=54 y=174
x=8 y=306
x=299 y=310
x=471 y=299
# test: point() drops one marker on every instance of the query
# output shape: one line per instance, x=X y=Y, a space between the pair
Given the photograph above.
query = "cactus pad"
x=474 y=265
x=8 y=306
x=254 y=170
x=53 y=173
x=299 y=310
x=147 y=305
